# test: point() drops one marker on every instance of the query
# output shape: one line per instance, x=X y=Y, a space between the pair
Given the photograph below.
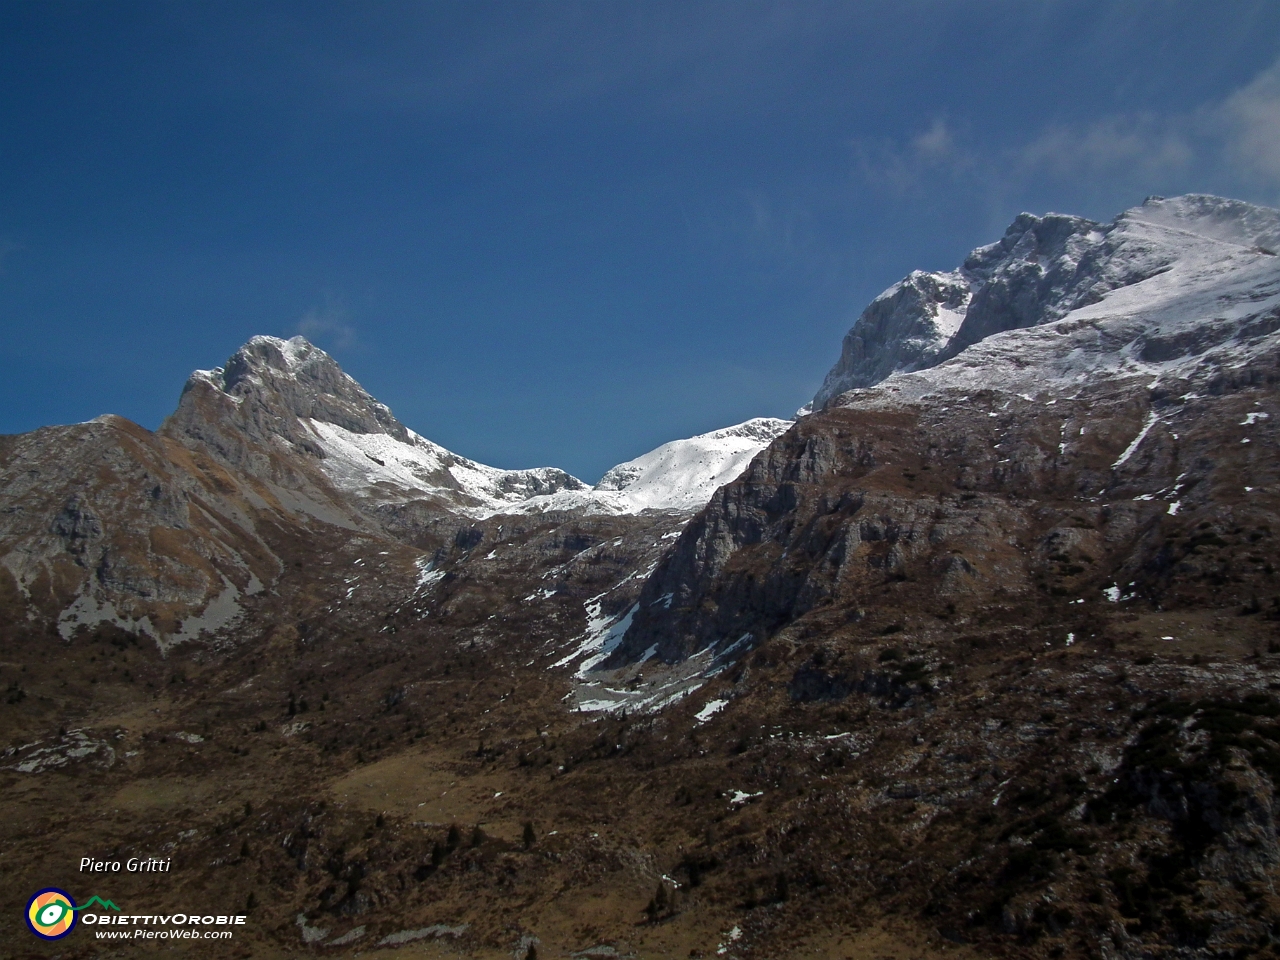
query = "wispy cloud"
x=328 y=323
x=935 y=151
x=1232 y=140
x=1143 y=143
x=1251 y=117
x=937 y=144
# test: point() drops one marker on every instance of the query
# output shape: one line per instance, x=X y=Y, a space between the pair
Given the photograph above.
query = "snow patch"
x=73 y=746
x=310 y=934
x=427 y=573
x=733 y=936
x=351 y=936
x=711 y=709
x=1152 y=418
x=601 y=638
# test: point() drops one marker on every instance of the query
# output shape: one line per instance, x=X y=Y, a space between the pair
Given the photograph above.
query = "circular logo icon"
x=51 y=914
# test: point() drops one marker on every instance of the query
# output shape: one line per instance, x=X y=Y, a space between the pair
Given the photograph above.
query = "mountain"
x=1155 y=289
x=170 y=534
x=679 y=476
x=289 y=398
x=1021 y=559
x=979 y=658
x=1130 y=331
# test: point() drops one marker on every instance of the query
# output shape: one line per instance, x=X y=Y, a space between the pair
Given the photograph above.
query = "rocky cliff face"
x=270 y=385
x=255 y=408
x=1040 y=272
x=980 y=501
x=105 y=522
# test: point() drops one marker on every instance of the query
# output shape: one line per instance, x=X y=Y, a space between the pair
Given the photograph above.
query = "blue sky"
x=562 y=233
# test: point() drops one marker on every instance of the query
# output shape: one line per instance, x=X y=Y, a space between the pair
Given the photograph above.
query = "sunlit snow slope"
x=291 y=396
x=1058 y=298
x=682 y=474
x=677 y=476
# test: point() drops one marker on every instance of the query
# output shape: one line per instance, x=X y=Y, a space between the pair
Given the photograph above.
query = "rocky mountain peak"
x=290 y=379
x=1042 y=269
x=1213 y=218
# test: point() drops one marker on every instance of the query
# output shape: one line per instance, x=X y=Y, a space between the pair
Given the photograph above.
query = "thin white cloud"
x=1234 y=140
x=329 y=322
x=932 y=152
x=1251 y=116
x=936 y=144
x=1145 y=144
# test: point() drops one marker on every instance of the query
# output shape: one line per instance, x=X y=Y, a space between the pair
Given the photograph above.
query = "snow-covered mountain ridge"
x=183 y=532
x=677 y=476
x=291 y=393
x=1066 y=295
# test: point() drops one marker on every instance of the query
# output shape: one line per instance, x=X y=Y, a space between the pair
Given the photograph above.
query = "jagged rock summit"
x=1139 y=282
x=290 y=396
